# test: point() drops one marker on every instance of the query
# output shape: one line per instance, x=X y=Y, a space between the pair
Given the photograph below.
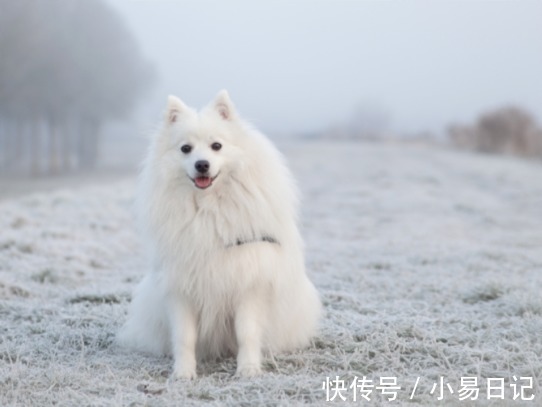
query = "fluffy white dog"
x=219 y=207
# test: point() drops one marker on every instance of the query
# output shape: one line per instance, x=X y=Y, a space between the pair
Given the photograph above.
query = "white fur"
x=205 y=296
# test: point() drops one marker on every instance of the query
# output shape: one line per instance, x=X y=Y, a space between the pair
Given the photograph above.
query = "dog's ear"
x=224 y=106
x=175 y=108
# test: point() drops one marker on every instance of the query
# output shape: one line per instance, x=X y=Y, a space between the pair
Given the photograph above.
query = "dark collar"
x=264 y=238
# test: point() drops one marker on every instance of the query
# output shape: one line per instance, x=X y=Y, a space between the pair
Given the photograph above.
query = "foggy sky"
x=301 y=65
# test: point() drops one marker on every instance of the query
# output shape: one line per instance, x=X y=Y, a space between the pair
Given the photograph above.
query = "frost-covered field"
x=429 y=264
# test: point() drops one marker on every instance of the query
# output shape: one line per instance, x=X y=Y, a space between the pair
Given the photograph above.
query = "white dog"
x=219 y=207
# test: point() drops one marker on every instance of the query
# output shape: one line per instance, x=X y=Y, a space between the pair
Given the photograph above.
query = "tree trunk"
x=88 y=143
x=95 y=142
x=3 y=145
x=34 y=146
x=81 y=144
x=18 y=145
x=64 y=147
x=54 y=135
x=8 y=145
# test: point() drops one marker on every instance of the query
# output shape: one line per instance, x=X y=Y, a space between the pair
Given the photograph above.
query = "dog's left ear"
x=224 y=106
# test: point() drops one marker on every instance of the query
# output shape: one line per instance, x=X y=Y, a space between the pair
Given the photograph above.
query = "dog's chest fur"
x=230 y=216
x=197 y=241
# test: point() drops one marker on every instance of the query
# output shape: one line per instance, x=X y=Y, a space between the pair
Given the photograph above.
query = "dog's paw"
x=248 y=370
x=184 y=374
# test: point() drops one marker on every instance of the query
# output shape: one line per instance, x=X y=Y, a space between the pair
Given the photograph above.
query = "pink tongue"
x=203 y=182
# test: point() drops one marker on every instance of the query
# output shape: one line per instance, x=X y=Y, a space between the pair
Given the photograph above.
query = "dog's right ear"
x=224 y=106
x=175 y=108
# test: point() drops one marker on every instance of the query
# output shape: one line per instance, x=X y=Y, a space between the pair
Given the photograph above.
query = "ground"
x=429 y=265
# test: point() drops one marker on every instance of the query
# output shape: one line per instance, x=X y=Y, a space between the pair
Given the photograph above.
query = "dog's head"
x=201 y=145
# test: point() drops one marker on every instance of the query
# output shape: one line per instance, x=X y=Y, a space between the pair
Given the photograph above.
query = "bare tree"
x=508 y=130
x=67 y=67
x=367 y=122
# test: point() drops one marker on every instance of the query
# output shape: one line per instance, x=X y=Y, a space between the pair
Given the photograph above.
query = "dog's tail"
x=147 y=327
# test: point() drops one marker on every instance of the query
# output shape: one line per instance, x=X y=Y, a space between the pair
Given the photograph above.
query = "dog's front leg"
x=183 y=324
x=248 y=330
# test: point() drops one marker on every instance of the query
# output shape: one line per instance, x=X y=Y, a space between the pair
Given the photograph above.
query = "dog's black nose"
x=202 y=166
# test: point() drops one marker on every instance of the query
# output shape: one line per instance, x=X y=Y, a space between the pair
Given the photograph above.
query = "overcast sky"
x=302 y=65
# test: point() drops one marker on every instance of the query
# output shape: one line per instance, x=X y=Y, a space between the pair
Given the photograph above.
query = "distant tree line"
x=508 y=130
x=66 y=68
x=367 y=122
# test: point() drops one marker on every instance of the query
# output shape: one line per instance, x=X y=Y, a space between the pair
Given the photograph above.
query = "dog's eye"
x=186 y=148
x=216 y=146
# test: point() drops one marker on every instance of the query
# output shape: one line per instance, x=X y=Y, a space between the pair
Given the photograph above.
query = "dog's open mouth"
x=203 y=182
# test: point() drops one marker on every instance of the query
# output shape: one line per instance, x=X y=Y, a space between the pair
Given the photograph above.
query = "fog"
x=299 y=66
x=83 y=83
